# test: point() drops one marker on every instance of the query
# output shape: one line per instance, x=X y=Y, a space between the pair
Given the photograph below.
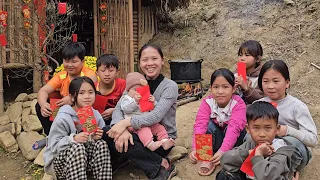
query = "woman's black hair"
x=277 y=65
x=226 y=73
x=253 y=48
x=75 y=86
x=150 y=45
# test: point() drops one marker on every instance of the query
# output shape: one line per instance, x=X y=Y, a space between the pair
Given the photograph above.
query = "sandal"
x=39 y=144
x=206 y=165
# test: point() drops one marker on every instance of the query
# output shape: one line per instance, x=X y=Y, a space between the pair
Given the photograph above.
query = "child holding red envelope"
x=265 y=156
x=132 y=104
x=222 y=115
x=74 y=143
x=248 y=70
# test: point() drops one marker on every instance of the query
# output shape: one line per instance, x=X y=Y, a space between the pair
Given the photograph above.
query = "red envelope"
x=100 y=103
x=87 y=119
x=204 y=149
x=54 y=107
x=242 y=71
x=145 y=104
x=62 y=8
x=246 y=166
x=274 y=104
x=74 y=38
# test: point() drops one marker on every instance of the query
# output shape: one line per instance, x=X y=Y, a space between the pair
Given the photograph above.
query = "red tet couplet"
x=242 y=70
x=204 y=149
x=87 y=119
x=145 y=104
x=62 y=8
x=100 y=103
x=54 y=107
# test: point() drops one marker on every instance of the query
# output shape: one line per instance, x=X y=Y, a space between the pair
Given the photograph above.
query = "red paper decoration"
x=26 y=12
x=62 y=8
x=74 y=37
x=3 y=40
x=3 y=18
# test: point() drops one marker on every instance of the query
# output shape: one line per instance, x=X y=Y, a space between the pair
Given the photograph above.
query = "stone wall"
x=20 y=127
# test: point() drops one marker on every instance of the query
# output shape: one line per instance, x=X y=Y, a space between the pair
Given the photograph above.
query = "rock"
x=39 y=160
x=177 y=152
x=22 y=97
x=18 y=128
x=9 y=127
x=26 y=104
x=175 y=178
x=8 y=142
x=25 y=142
x=4 y=120
x=25 y=114
x=289 y=2
x=31 y=124
x=33 y=106
x=212 y=13
x=47 y=177
x=32 y=96
x=14 y=111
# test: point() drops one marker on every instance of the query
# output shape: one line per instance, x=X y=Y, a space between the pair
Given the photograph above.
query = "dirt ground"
x=213 y=30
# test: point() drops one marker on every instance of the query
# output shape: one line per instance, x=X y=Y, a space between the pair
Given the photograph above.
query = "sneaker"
x=166 y=174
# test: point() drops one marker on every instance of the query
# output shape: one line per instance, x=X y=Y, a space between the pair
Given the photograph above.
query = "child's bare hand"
x=151 y=98
x=193 y=158
x=98 y=134
x=137 y=97
x=240 y=82
x=107 y=114
x=264 y=149
x=216 y=158
x=81 y=137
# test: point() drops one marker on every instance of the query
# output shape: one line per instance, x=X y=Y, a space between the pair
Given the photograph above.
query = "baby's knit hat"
x=135 y=79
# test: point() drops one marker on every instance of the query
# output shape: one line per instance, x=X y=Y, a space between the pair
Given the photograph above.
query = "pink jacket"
x=233 y=115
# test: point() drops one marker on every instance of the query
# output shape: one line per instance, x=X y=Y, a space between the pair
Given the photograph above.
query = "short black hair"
x=262 y=109
x=252 y=47
x=75 y=86
x=277 y=65
x=224 y=72
x=156 y=47
x=73 y=49
x=108 y=60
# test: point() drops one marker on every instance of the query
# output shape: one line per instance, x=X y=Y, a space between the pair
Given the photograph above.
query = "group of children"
x=279 y=127
x=70 y=152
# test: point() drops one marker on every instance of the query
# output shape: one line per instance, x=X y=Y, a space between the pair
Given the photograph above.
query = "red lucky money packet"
x=246 y=166
x=100 y=103
x=54 y=107
x=242 y=71
x=145 y=104
x=204 y=150
x=87 y=119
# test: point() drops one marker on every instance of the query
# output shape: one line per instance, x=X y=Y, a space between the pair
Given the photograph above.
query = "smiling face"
x=222 y=91
x=73 y=66
x=274 y=85
x=86 y=95
x=151 y=63
x=107 y=75
x=262 y=130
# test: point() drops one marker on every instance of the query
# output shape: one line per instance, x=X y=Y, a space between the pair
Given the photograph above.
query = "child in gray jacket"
x=273 y=158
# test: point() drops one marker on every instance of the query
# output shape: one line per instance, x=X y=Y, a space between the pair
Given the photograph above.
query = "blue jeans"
x=306 y=154
x=218 y=135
